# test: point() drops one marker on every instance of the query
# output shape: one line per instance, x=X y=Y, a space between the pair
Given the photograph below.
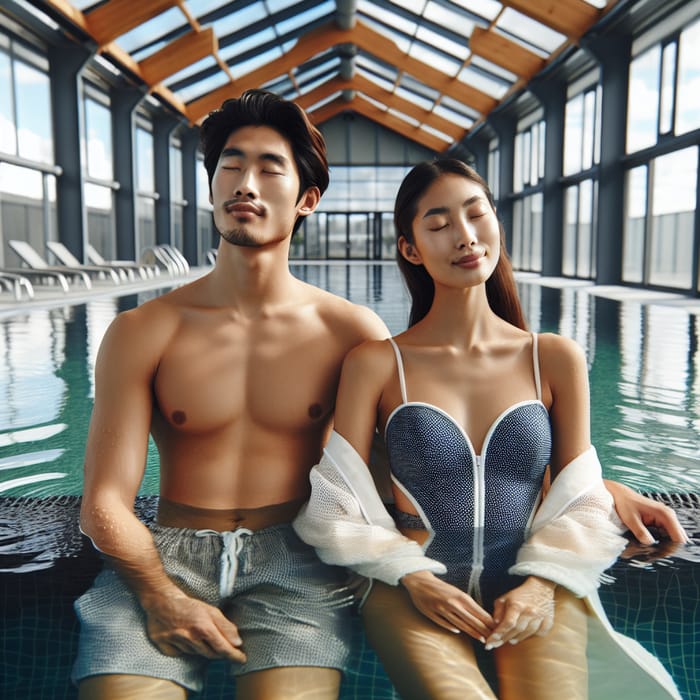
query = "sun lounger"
x=38 y=268
x=65 y=257
x=131 y=268
x=16 y=284
x=167 y=257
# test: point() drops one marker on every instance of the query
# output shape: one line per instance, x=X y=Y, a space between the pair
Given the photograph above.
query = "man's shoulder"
x=348 y=317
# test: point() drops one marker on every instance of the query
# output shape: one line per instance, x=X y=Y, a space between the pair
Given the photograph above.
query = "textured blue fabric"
x=476 y=508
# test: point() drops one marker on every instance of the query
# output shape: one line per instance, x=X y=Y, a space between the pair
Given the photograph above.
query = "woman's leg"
x=550 y=667
x=289 y=683
x=127 y=687
x=423 y=660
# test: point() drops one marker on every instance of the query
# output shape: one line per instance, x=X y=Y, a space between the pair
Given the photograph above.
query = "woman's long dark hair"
x=501 y=291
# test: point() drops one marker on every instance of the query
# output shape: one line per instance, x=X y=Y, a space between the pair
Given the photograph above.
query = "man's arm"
x=115 y=461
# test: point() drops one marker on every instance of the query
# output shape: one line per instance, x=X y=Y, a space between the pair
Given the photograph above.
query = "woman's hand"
x=447 y=606
x=638 y=513
x=525 y=611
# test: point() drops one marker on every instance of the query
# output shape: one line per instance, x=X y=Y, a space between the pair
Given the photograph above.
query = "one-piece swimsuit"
x=476 y=508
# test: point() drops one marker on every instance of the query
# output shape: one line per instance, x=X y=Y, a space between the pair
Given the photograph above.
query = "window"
x=145 y=188
x=660 y=220
x=27 y=173
x=664 y=84
x=98 y=167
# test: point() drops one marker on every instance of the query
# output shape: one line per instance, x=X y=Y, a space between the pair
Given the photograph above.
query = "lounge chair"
x=17 y=284
x=37 y=268
x=65 y=257
x=130 y=268
x=168 y=257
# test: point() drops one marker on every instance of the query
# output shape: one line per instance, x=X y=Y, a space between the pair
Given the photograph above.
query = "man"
x=235 y=376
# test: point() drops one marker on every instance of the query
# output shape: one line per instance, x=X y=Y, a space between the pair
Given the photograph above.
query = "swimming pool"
x=644 y=360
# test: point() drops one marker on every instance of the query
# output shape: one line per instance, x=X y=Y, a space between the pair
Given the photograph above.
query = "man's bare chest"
x=231 y=375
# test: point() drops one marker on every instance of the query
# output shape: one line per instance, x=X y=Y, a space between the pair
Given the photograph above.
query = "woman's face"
x=456 y=232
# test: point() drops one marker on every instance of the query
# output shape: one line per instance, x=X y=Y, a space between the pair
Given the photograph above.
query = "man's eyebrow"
x=234 y=152
x=443 y=210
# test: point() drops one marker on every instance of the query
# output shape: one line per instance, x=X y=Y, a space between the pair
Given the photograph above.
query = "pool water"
x=644 y=362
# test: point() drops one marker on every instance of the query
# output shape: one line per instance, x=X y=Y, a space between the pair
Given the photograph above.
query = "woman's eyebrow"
x=443 y=210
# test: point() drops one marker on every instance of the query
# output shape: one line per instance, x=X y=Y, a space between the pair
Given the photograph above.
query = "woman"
x=476 y=413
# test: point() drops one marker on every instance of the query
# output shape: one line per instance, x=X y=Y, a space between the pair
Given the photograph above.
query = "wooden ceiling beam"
x=500 y=50
x=366 y=87
x=569 y=17
x=327 y=36
x=179 y=54
x=379 y=116
x=116 y=17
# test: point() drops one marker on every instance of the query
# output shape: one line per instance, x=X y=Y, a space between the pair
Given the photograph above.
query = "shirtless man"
x=235 y=377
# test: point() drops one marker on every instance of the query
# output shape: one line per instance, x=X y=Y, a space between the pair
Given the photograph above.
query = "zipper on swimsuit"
x=473 y=587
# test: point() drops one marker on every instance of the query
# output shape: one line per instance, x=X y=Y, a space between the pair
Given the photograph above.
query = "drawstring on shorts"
x=232 y=543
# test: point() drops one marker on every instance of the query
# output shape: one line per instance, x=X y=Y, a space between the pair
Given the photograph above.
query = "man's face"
x=255 y=188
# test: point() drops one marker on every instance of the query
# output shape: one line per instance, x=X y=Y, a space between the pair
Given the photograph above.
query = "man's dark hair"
x=263 y=108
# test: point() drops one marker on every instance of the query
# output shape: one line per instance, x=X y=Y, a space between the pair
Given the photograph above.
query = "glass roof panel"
x=434 y=59
x=478 y=80
x=244 y=67
x=277 y=5
x=387 y=85
x=391 y=19
x=403 y=117
x=458 y=107
x=450 y=19
x=192 y=92
x=201 y=65
x=488 y=9
x=239 y=19
x=376 y=103
x=435 y=132
x=414 y=85
x=325 y=67
x=488 y=67
x=363 y=60
x=248 y=43
x=154 y=28
x=409 y=5
x=199 y=8
x=460 y=51
x=304 y=18
x=529 y=30
x=324 y=101
x=414 y=98
x=454 y=117
x=401 y=41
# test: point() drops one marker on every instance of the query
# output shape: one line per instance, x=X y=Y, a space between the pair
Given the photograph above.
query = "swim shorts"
x=289 y=607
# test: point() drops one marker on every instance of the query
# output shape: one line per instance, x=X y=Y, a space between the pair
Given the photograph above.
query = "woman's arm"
x=638 y=513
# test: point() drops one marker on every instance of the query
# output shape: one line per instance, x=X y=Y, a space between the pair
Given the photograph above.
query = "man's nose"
x=247 y=185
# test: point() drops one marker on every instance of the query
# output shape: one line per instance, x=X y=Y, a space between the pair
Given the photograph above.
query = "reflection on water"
x=643 y=360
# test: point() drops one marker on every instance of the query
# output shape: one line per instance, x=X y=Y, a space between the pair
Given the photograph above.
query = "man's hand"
x=447 y=606
x=638 y=513
x=182 y=625
x=523 y=612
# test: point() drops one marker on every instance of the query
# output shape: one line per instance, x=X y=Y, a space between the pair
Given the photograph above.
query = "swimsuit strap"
x=536 y=367
x=399 y=364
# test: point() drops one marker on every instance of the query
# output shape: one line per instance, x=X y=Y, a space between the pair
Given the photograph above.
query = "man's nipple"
x=315 y=411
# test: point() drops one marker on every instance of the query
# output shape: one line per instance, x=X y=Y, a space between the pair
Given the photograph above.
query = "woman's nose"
x=466 y=234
